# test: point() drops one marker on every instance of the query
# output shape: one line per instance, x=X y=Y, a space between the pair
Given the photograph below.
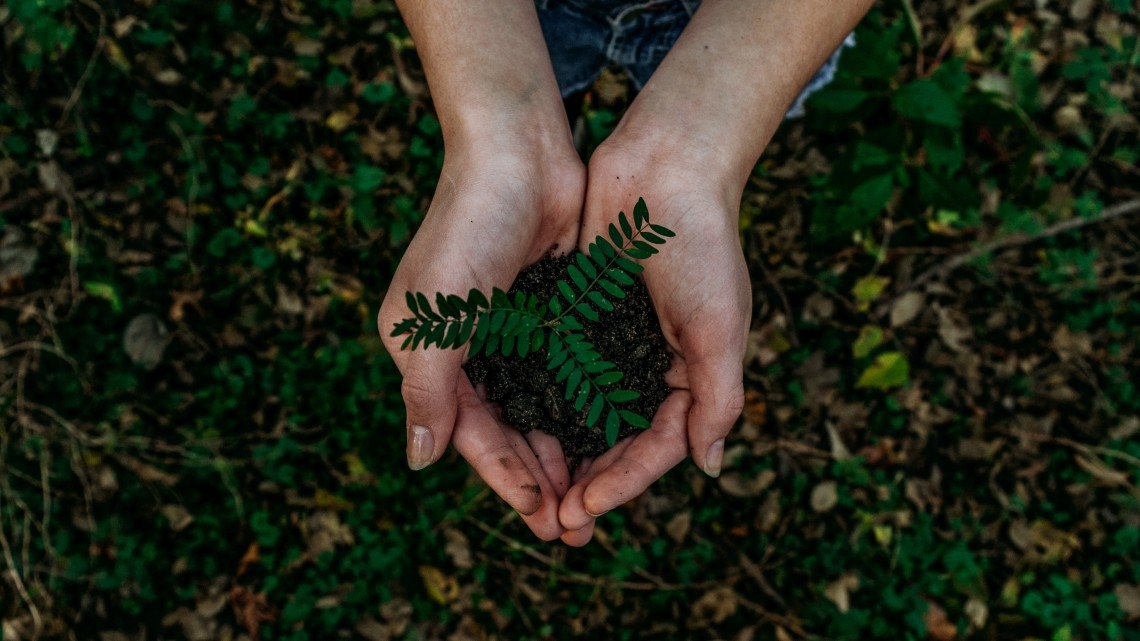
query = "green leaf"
x=615 y=235
x=653 y=238
x=625 y=227
x=663 y=230
x=412 y=305
x=508 y=345
x=870 y=337
x=595 y=411
x=640 y=213
x=645 y=247
x=498 y=317
x=585 y=265
x=425 y=307
x=607 y=248
x=598 y=366
x=571 y=323
x=444 y=306
x=522 y=346
x=620 y=276
x=926 y=100
x=888 y=371
x=598 y=255
x=403 y=327
x=608 y=378
x=577 y=276
x=584 y=309
x=536 y=341
x=613 y=424
x=622 y=396
x=634 y=419
x=611 y=288
x=638 y=253
x=867 y=289
x=628 y=265
x=555 y=306
x=511 y=324
x=600 y=301
x=564 y=371
x=581 y=396
x=450 y=337
x=572 y=382
x=465 y=330
x=475 y=298
x=567 y=293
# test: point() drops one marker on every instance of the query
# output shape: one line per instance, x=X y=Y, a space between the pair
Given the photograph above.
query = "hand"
x=499 y=206
x=700 y=288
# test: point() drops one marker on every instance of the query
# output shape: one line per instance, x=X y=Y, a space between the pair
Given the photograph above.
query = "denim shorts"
x=586 y=36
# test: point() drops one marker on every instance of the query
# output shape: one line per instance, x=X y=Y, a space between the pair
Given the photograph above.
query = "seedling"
x=524 y=324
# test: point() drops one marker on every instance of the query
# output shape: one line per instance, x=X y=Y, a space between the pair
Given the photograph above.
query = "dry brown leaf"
x=178 y=516
x=145 y=340
x=714 y=606
x=251 y=609
x=906 y=308
x=938 y=626
x=743 y=485
x=839 y=591
x=1128 y=596
x=458 y=549
x=825 y=496
x=977 y=612
x=678 y=527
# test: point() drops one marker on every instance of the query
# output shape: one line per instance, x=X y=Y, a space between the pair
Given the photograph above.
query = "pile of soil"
x=530 y=399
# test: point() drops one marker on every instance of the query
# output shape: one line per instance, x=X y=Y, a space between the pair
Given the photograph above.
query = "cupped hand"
x=700 y=288
x=497 y=208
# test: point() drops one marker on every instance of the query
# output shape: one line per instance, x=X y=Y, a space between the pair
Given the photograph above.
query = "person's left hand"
x=700 y=288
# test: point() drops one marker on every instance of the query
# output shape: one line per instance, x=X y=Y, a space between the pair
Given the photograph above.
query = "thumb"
x=430 y=390
x=717 y=386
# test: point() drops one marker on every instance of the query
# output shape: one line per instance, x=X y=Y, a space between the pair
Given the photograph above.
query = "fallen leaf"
x=178 y=516
x=458 y=549
x=1128 y=596
x=442 y=589
x=714 y=606
x=906 y=308
x=252 y=555
x=889 y=370
x=251 y=609
x=825 y=496
x=867 y=289
x=977 y=612
x=743 y=485
x=678 y=527
x=869 y=338
x=17 y=255
x=839 y=591
x=145 y=340
x=938 y=627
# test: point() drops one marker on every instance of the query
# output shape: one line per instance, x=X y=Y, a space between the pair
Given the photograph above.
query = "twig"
x=1012 y=240
x=78 y=90
x=578 y=577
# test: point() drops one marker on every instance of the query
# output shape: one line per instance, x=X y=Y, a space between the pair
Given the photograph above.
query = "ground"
x=202 y=437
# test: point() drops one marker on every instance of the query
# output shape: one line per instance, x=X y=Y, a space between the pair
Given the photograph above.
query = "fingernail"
x=420 y=447
x=596 y=515
x=714 y=457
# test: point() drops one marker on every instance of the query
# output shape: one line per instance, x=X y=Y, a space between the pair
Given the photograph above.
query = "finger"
x=717 y=386
x=579 y=538
x=431 y=379
x=623 y=474
x=548 y=451
x=504 y=460
x=572 y=513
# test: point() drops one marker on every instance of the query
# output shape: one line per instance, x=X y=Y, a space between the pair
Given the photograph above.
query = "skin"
x=687 y=145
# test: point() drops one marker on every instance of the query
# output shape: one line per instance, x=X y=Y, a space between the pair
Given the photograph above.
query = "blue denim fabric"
x=586 y=36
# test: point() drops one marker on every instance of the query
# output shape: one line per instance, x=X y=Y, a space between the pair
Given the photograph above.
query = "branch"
x=1013 y=240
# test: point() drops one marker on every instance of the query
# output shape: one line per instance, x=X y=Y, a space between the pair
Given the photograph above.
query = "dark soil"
x=530 y=399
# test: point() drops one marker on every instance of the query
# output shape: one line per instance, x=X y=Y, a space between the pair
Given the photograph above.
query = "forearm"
x=721 y=93
x=488 y=68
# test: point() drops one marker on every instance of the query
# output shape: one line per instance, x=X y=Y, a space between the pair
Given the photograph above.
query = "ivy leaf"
x=888 y=371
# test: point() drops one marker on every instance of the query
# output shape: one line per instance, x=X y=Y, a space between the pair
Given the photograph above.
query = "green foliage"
x=524 y=324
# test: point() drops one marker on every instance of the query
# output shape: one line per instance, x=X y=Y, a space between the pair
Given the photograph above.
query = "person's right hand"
x=499 y=206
